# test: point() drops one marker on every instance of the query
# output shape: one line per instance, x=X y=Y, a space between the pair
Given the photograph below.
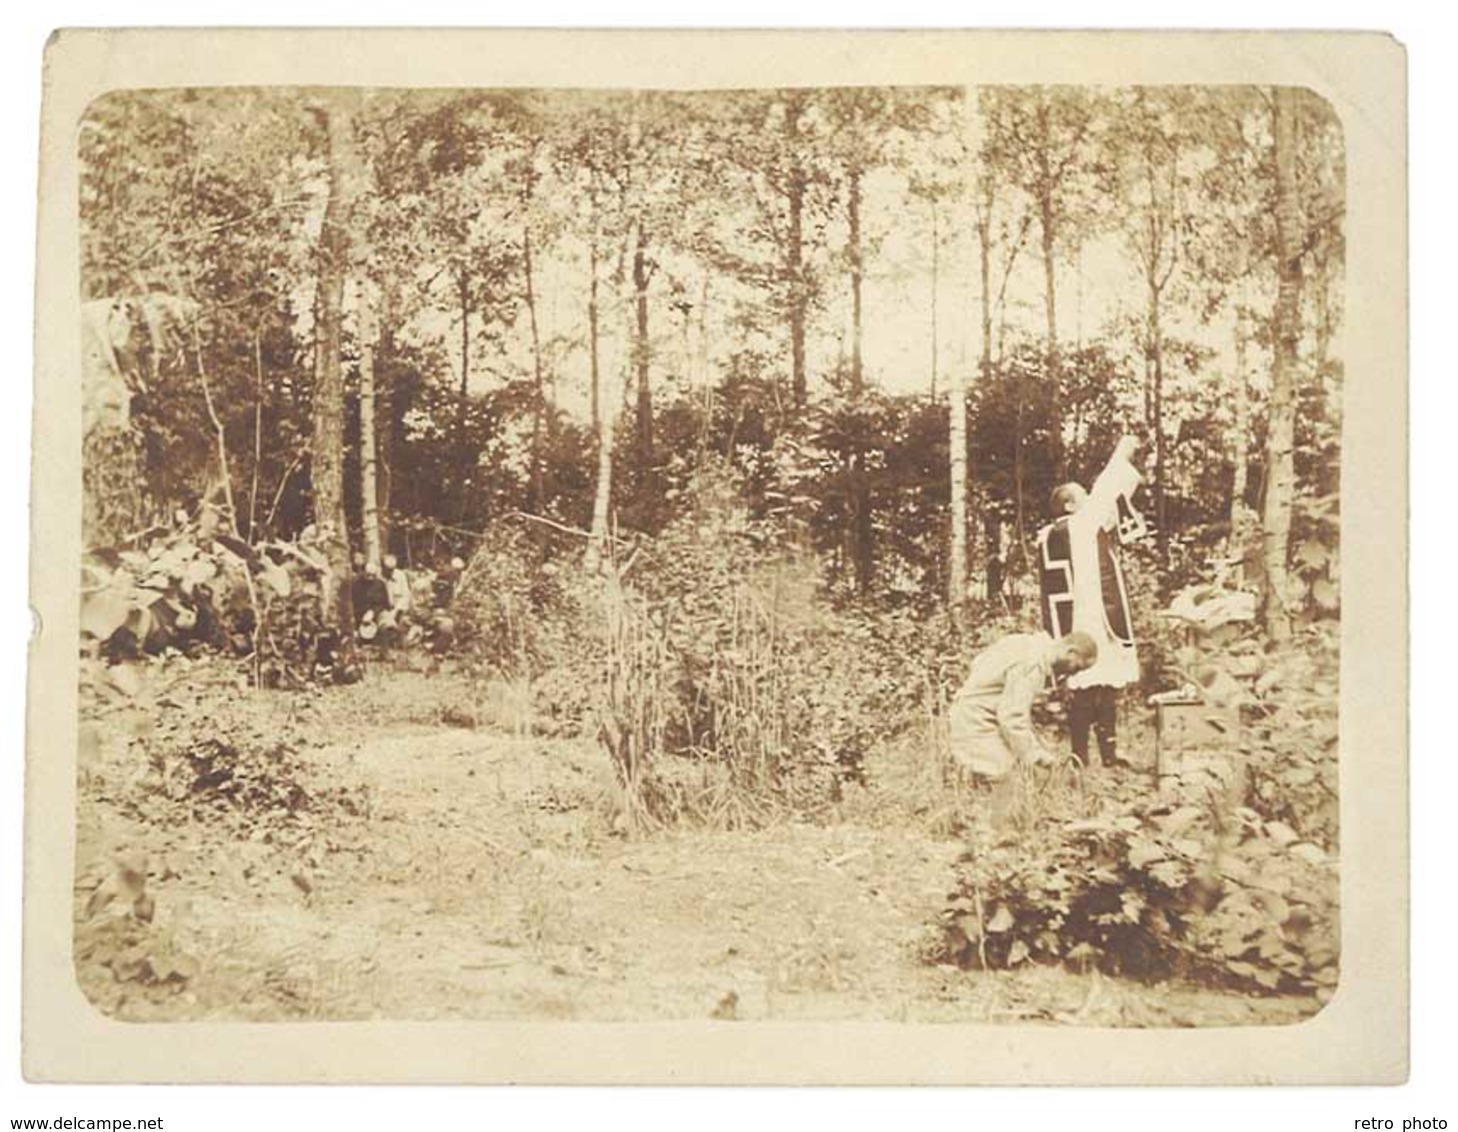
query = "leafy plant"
x=190 y=586
x=1153 y=891
x=248 y=774
x=724 y=651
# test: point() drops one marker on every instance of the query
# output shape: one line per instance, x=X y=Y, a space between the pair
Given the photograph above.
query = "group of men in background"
x=395 y=606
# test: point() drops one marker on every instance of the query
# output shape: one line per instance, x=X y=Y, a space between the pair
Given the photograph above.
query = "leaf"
x=1274 y=907
x=276 y=576
x=199 y=571
x=1173 y=824
x=1002 y=920
x=103 y=613
x=1189 y=847
x=1017 y=954
x=1309 y=853
x=1268 y=978
x=1312 y=554
x=1144 y=852
x=1281 y=833
x=1271 y=680
x=1325 y=593
x=1278 y=884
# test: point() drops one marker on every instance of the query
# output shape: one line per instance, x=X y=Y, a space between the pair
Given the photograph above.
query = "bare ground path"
x=490 y=880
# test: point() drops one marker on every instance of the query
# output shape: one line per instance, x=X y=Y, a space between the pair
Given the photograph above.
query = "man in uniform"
x=991 y=716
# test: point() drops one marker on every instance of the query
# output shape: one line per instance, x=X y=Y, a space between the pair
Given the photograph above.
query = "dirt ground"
x=489 y=875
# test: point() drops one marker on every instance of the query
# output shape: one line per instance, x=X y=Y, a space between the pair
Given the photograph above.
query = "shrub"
x=526 y=610
x=238 y=768
x=188 y=586
x=1150 y=891
x=721 y=650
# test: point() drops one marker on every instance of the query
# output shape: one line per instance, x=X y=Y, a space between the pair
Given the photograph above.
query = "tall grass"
x=709 y=700
x=635 y=699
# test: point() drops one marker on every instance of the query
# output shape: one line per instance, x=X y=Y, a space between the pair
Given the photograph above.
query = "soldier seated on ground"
x=441 y=636
x=371 y=598
x=395 y=623
x=398 y=585
x=991 y=716
x=446 y=580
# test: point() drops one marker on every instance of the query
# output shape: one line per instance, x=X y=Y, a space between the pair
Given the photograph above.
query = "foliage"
x=190 y=586
x=1240 y=891
x=1293 y=758
x=116 y=934
x=722 y=220
x=200 y=760
x=116 y=504
x=722 y=650
x=1287 y=696
x=1152 y=891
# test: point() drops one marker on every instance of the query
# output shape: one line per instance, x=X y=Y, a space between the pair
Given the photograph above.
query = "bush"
x=233 y=765
x=722 y=650
x=189 y=587
x=1241 y=892
x=1292 y=759
x=1287 y=696
x=1150 y=892
x=526 y=610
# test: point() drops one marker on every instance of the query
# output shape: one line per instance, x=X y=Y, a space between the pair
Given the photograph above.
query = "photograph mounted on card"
x=751 y=557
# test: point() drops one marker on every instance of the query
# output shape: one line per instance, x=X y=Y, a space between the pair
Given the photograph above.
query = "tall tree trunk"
x=992 y=536
x=862 y=532
x=641 y=349
x=1020 y=473
x=463 y=453
x=1240 y=415
x=1280 y=434
x=601 y=422
x=936 y=240
x=795 y=256
x=1048 y=230
x=593 y=350
x=1156 y=358
x=1326 y=474
x=369 y=490
x=257 y=432
x=387 y=410
x=853 y=218
x=957 y=454
x=539 y=391
x=984 y=267
x=602 y=497
x=327 y=450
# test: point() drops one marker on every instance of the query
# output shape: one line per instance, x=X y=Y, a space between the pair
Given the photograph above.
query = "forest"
x=701 y=439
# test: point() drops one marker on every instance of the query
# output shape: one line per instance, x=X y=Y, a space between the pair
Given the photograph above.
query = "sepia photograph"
x=642 y=553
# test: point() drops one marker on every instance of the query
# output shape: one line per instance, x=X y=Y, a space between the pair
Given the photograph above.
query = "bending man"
x=991 y=717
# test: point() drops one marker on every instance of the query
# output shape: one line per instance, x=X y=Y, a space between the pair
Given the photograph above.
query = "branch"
x=562 y=527
x=217 y=427
x=213 y=229
x=282 y=483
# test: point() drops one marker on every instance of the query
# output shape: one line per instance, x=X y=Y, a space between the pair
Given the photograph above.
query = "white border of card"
x=1360 y=1037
